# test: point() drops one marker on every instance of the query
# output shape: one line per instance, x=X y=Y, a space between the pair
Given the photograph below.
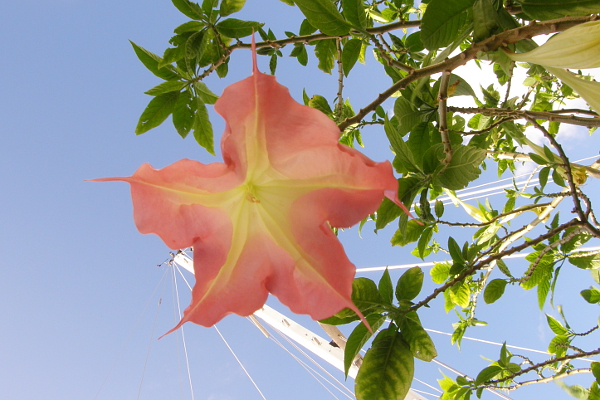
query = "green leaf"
x=439 y=273
x=365 y=296
x=299 y=51
x=205 y=94
x=421 y=250
x=439 y=208
x=359 y=336
x=323 y=15
x=494 y=290
x=229 y=7
x=455 y=251
x=403 y=153
x=538 y=159
x=576 y=391
x=460 y=294
x=558 y=345
x=156 y=112
x=596 y=370
x=411 y=234
x=235 y=28
x=183 y=115
x=487 y=374
x=594 y=391
x=151 y=60
x=306 y=28
x=189 y=9
x=464 y=167
x=355 y=13
x=419 y=141
x=596 y=275
x=591 y=295
x=585 y=260
x=203 y=132
x=409 y=285
x=387 y=212
x=551 y=9
x=320 y=103
x=166 y=87
x=556 y=326
x=418 y=339
x=408 y=116
x=442 y=22
x=325 y=51
x=484 y=20
x=190 y=26
x=387 y=369
x=350 y=54
x=195 y=45
x=503 y=268
x=386 y=288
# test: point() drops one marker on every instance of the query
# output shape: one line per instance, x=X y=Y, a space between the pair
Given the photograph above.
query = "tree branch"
x=552 y=116
x=490 y=44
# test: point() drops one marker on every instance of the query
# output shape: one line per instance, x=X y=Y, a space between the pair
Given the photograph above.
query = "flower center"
x=251 y=193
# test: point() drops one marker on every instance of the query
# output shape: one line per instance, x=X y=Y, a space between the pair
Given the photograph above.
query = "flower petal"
x=577 y=47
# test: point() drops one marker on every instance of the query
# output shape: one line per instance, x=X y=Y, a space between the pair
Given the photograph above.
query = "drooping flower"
x=577 y=47
x=260 y=222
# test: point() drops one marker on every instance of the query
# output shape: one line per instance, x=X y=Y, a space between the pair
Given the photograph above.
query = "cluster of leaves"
x=437 y=150
x=394 y=348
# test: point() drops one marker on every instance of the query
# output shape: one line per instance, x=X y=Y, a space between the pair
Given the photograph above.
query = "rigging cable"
x=150 y=343
x=239 y=362
x=314 y=362
x=130 y=335
x=309 y=369
x=224 y=341
x=185 y=352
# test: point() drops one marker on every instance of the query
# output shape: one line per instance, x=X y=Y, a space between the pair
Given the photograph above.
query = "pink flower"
x=260 y=222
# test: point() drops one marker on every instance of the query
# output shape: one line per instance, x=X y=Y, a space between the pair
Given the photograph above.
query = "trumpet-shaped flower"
x=577 y=47
x=260 y=222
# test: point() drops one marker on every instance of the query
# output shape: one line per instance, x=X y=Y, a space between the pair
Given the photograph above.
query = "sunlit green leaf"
x=359 y=336
x=350 y=54
x=323 y=15
x=325 y=51
x=410 y=283
x=494 y=290
x=387 y=369
x=442 y=22
x=229 y=7
x=235 y=28
x=354 y=11
x=386 y=288
x=418 y=339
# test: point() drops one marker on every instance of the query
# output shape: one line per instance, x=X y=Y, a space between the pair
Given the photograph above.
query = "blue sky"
x=77 y=274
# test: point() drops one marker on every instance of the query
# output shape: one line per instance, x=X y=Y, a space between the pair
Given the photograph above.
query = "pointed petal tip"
x=254 y=62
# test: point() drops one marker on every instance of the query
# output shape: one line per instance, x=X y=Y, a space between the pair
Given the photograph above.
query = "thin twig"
x=339 y=107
